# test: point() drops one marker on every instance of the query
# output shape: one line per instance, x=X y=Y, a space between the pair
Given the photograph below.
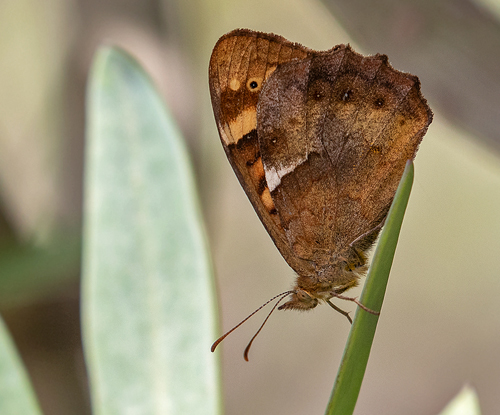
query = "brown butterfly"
x=318 y=141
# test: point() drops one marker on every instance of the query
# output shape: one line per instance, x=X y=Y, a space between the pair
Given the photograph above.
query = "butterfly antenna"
x=219 y=340
x=247 y=349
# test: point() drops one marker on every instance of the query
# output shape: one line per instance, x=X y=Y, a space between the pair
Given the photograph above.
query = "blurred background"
x=440 y=325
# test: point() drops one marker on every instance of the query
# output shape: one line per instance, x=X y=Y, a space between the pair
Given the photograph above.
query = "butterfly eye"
x=303 y=296
x=379 y=102
x=254 y=84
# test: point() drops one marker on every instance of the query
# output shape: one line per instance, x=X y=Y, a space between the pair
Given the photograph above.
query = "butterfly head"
x=300 y=300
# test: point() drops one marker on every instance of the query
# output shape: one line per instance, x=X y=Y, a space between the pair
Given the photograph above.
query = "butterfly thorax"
x=326 y=281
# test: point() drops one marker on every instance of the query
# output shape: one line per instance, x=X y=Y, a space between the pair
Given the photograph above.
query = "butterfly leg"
x=355 y=300
x=344 y=313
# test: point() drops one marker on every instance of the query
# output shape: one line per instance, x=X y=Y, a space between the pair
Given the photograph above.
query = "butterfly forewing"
x=241 y=62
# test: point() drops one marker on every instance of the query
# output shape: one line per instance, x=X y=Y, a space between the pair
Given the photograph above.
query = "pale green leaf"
x=149 y=314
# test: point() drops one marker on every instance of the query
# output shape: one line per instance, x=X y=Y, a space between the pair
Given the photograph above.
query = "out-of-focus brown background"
x=440 y=325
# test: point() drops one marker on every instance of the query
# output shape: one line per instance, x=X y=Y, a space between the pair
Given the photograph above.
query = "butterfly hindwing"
x=335 y=131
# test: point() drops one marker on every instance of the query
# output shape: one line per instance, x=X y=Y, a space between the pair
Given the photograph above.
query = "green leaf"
x=352 y=368
x=465 y=403
x=149 y=314
x=16 y=395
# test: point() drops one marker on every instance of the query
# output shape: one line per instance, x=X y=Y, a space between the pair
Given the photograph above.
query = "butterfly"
x=319 y=141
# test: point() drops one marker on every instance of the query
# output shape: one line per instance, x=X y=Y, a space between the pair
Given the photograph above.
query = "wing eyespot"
x=254 y=84
x=347 y=95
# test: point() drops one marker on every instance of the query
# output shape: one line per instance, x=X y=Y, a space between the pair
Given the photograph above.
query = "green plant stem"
x=352 y=368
